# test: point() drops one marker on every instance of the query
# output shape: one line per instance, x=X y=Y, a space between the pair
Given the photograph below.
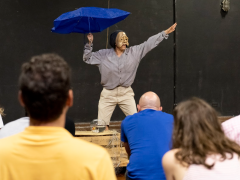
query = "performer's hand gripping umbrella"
x=88 y=19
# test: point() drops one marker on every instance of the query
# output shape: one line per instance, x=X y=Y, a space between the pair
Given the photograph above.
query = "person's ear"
x=69 y=102
x=20 y=98
x=160 y=108
x=139 y=108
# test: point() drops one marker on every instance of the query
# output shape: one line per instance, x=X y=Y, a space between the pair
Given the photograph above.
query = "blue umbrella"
x=88 y=19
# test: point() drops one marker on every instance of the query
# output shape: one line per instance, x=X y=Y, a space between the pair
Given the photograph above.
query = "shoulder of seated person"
x=169 y=157
x=169 y=160
x=167 y=114
x=87 y=143
x=7 y=142
x=171 y=153
x=130 y=116
x=88 y=148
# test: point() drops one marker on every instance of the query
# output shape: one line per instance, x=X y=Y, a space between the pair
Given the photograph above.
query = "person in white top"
x=17 y=126
x=200 y=149
x=1 y=121
x=14 y=127
x=231 y=128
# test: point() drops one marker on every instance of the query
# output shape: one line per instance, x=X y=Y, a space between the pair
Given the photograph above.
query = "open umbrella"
x=88 y=19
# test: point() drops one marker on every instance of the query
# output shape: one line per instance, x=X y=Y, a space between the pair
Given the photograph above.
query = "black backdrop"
x=208 y=53
x=205 y=64
x=25 y=31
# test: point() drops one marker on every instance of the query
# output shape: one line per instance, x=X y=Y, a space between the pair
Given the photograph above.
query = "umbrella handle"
x=89 y=24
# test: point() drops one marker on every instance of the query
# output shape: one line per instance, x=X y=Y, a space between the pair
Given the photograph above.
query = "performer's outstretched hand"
x=90 y=38
x=171 y=29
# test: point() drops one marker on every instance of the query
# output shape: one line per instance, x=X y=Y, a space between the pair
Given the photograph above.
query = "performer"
x=118 y=67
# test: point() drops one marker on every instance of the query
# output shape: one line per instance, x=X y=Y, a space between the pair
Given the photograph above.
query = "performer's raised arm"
x=118 y=67
x=89 y=57
x=142 y=49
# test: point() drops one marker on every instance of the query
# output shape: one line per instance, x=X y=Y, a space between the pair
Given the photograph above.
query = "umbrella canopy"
x=88 y=19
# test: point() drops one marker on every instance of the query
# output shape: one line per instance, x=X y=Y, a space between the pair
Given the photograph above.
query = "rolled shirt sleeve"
x=93 y=58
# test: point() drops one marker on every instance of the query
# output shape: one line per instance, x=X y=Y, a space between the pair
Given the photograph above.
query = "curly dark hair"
x=197 y=134
x=45 y=83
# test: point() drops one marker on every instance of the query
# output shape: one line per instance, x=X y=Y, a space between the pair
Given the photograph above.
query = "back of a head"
x=198 y=133
x=149 y=100
x=44 y=83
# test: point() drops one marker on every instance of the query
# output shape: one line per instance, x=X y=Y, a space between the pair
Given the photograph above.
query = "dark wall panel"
x=25 y=31
x=208 y=43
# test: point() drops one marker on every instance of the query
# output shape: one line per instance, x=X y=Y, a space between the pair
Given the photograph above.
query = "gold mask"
x=122 y=39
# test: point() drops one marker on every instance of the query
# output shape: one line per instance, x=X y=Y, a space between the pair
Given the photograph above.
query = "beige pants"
x=122 y=96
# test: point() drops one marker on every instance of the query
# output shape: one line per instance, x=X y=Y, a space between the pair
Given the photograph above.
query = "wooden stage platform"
x=116 y=125
x=104 y=138
x=110 y=140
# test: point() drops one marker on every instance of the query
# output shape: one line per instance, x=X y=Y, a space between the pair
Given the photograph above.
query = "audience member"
x=45 y=150
x=147 y=137
x=19 y=125
x=231 y=128
x=14 y=127
x=200 y=148
x=1 y=121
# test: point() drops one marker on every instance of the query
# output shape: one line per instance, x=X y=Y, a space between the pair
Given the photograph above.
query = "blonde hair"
x=1 y=111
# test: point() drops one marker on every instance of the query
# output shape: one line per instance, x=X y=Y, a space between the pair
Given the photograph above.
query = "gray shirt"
x=120 y=71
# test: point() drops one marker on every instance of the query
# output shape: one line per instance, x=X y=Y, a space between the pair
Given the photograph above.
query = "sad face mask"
x=121 y=39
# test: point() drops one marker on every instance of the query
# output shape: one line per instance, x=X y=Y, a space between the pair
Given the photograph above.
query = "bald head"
x=149 y=100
